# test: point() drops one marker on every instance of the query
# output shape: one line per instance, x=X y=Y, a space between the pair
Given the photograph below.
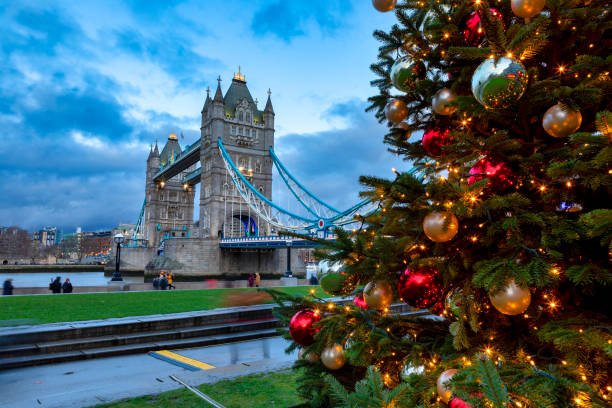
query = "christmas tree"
x=502 y=228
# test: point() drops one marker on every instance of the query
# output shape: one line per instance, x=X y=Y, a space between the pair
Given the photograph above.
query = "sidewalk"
x=86 y=383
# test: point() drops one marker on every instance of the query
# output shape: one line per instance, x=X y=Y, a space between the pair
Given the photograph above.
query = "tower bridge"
x=239 y=226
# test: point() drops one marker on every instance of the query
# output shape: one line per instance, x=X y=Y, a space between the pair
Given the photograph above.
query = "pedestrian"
x=7 y=288
x=251 y=280
x=56 y=285
x=155 y=283
x=170 y=279
x=67 y=286
x=257 y=279
x=163 y=282
x=313 y=279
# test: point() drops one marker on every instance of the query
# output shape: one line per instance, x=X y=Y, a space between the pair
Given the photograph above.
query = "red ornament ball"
x=499 y=174
x=301 y=328
x=458 y=403
x=474 y=32
x=422 y=288
x=434 y=139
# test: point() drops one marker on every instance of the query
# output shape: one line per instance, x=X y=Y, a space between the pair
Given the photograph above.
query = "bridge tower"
x=168 y=207
x=247 y=133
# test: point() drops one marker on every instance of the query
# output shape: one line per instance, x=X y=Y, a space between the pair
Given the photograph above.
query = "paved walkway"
x=91 y=382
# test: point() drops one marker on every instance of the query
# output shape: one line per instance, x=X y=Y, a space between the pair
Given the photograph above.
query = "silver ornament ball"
x=409 y=370
x=405 y=72
x=440 y=101
x=322 y=268
x=498 y=83
x=527 y=8
x=396 y=111
x=561 y=120
x=384 y=5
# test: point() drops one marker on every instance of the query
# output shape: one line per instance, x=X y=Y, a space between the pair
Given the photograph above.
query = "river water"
x=42 y=279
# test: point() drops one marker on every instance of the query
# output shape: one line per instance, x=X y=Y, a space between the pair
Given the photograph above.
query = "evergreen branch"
x=470 y=53
x=603 y=122
x=491 y=384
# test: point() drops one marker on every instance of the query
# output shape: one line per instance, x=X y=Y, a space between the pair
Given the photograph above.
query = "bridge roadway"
x=273 y=241
x=185 y=159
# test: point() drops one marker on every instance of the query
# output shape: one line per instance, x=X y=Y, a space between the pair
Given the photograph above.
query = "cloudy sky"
x=87 y=86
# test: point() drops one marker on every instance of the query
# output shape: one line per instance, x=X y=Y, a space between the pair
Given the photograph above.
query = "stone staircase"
x=54 y=343
x=60 y=342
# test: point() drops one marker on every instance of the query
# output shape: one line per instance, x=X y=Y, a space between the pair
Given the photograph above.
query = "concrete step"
x=32 y=360
x=69 y=345
x=127 y=325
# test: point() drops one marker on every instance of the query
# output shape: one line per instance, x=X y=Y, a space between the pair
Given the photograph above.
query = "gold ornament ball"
x=378 y=294
x=406 y=128
x=527 y=8
x=440 y=101
x=311 y=357
x=561 y=121
x=512 y=300
x=441 y=226
x=443 y=392
x=333 y=357
x=384 y=5
x=396 y=111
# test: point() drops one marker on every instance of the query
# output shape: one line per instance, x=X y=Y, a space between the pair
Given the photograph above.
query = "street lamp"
x=118 y=238
x=288 y=273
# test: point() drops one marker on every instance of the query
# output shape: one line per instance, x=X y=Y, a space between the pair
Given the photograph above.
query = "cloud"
x=329 y=163
x=289 y=19
x=173 y=53
x=37 y=199
x=39 y=31
x=90 y=111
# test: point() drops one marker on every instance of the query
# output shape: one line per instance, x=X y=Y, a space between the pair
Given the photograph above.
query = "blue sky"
x=86 y=87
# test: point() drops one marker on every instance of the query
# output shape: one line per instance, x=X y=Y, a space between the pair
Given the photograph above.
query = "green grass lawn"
x=39 y=309
x=253 y=391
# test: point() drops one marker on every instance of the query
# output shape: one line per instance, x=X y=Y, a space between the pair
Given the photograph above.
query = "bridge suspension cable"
x=313 y=204
x=320 y=215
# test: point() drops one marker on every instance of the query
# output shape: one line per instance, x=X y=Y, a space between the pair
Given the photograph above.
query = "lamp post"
x=288 y=273
x=118 y=238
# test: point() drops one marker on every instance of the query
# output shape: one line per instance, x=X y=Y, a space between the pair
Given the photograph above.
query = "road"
x=91 y=382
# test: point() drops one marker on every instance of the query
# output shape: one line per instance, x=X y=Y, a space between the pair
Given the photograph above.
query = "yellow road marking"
x=185 y=360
